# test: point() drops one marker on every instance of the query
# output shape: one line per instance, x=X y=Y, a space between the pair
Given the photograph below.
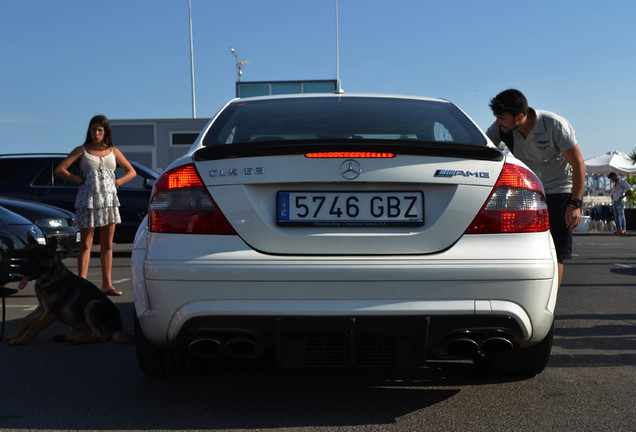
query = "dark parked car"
x=13 y=240
x=30 y=177
x=53 y=221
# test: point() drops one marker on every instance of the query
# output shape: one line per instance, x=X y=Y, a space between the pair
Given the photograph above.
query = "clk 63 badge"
x=231 y=172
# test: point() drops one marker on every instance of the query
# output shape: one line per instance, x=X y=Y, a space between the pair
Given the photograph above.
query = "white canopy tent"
x=614 y=161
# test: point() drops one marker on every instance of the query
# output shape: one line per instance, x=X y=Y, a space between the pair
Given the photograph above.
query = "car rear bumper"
x=450 y=290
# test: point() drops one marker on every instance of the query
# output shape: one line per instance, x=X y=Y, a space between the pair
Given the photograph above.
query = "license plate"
x=350 y=209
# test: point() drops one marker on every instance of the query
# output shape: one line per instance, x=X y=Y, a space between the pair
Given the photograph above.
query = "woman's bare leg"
x=106 y=234
x=84 y=256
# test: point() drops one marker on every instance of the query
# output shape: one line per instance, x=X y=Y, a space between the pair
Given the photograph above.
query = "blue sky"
x=64 y=61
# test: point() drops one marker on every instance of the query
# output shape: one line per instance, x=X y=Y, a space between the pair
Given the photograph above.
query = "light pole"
x=194 y=109
x=240 y=65
x=339 y=87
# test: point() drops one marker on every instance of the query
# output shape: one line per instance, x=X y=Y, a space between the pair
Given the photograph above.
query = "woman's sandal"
x=112 y=292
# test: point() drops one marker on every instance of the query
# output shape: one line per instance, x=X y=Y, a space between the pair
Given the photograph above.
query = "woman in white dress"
x=97 y=205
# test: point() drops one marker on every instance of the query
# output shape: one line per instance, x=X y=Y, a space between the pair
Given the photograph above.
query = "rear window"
x=10 y=168
x=342 y=118
x=46 y=177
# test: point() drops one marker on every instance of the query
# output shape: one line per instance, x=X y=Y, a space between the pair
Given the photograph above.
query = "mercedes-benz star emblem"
x=350 y=169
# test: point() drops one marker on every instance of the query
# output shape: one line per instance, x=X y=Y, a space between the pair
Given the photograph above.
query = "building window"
x=251 y=89
x=184 y=138
x=292 y=88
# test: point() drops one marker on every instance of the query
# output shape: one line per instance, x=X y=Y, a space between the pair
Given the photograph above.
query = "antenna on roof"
x=240 y=65
x=338 y=86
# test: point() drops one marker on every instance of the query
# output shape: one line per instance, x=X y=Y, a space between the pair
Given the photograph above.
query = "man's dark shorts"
x=562 y=236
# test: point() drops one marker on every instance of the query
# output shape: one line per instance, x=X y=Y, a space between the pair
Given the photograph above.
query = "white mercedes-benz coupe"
x=344 y=231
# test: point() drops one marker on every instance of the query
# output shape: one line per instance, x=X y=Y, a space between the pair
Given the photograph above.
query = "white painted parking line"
x=25 y=307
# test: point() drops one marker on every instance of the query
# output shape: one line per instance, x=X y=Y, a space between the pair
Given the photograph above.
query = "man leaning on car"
x=546 y=143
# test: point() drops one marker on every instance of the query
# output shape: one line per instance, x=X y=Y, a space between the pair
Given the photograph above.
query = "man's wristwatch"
x=576 y=203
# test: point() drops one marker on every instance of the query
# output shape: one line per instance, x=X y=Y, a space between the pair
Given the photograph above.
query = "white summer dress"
x=97 y=204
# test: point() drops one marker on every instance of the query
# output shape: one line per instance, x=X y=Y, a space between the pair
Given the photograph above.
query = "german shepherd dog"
x=65 y=297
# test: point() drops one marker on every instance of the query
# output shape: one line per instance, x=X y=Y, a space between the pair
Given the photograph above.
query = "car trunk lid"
x=282 y=201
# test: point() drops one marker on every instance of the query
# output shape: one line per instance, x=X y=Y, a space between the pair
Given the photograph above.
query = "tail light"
x=516 y=204
x=180 y=203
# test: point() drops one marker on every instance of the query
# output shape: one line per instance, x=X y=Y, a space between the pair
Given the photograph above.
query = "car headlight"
x=52 y=223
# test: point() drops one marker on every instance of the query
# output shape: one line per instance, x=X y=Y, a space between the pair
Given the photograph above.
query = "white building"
x=156 y=142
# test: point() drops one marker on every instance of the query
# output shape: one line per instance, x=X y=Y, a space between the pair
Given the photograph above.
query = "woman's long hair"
x=102 y=121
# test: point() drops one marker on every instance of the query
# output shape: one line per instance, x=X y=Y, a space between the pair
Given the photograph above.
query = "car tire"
x=161 y=361
x=520 y=362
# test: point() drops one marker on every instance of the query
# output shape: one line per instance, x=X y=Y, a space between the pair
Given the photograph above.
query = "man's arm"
x=575 y=159
x=625 y=187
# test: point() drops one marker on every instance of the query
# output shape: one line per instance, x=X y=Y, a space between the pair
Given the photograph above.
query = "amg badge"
x=454 y=173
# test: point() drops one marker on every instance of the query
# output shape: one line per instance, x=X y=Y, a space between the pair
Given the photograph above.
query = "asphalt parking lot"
x=589 y=384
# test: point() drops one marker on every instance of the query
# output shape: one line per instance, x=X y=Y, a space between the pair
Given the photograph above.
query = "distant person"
x=97 y=204
x=619 y=190
x=546 y=143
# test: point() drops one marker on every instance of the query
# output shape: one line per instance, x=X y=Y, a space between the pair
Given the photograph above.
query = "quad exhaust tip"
x=243 y=347
x=466 y=345
x=496 y=345
x=462 y=347
x=237 y=345
x=205 y=348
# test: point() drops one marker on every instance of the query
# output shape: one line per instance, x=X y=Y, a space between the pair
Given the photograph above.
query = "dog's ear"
x=30 y=239
x=51 y=245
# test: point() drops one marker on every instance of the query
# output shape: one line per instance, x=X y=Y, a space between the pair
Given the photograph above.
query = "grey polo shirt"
x=543 y=150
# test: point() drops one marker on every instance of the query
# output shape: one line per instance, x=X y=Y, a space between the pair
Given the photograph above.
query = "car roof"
x=35 y=207
x=33 y=155
x=338 y=95
x=135 y=164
